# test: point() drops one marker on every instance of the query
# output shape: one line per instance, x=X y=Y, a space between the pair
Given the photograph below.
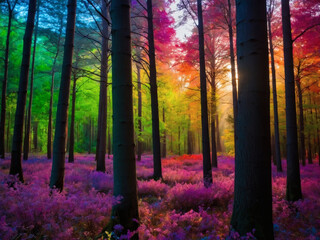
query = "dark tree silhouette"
x=207 y=170
x=16 y=165
x=252 y=208
x=154 y=97
x=26 y=142
x=293 y=168
x=11 y=7
x=59 y=143
x=102 y=118
x=124 y=164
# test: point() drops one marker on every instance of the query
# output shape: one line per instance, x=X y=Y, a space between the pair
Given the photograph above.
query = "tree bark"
x=301 y=124
x=275 y=101
x=4 y=84
x=73 y=110
x=207 y=170
x=293 y=169
x=233 y=72
x=102 y=118
x=26 y=146
x=53 y=70
x=124 y=164
x=35 y=135
x=139 y=152
x=164 y=138
x=252 y=208
x=213 y=119
x=154 y=97
x=60 y=138
x=16 y=165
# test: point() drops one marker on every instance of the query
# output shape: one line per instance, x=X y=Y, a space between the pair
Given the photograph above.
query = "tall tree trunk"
x=233 y=71
x=35 y=135
x=53 y=70
x=219 y=145
x=310 y=153
x=26 y=143
x=60 y=138
x=293 y=169
x=318 y=137
x=252 y=208
x=8 y=132
x=16 y=166
x=164 y=139
x=73 y=110
x=102 y=118
x=139 y=152
x=5 y=83
x=207 y=170
x=275 y=102
x=213 y=126
x=301 y=124
x=154 y=97
x=124 y=164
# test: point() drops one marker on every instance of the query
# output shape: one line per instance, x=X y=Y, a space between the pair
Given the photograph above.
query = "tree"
x=73 y=109
x=53 y=70
x=252 y=208
x=102 y=118
x=207 y=171
x=154 y=96
x=139 y=150
x=59 y=144
x=274 y=89
x=11 y=7
x=28 y=123
x=16 y=166
x=124 y=164
x=293 y=169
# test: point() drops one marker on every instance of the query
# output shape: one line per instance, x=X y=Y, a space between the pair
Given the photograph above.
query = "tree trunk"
x=124 y=164
x=164 y=139
x=207 y=170
x=252 y=208
x=16 y=166
x=213 y=126
x=73 y=110
x=293 y=169
x=8 y=132
x=179 y=139
x=139 y=152
x=53 y=70
x=301 y=124
x=154 y=97
x=102 y=118
x=60 y=138
x=275 y=102
x=4 y=86
x=219 y=145
x=26 y=143
x=233 y=71
x=35 y=135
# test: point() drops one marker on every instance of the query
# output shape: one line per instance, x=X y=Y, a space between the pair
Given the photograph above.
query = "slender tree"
x=73 y=110
x=53 y=71
x=102 y=118
x=207 y=171
x=11 y=7
x=252 y=208
x=274 y=90
x=164 y=137
x=233 y=70
x=59 y=144
x=154 y=97
x=26 y=143
x=16 y=166
x=139 y=150
x=124 y=164
x=293 y=168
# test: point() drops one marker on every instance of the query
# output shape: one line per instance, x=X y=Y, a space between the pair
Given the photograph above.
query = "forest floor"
x=177 y=208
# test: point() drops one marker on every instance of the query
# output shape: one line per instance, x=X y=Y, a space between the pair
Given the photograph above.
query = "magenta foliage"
x=178 y=207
